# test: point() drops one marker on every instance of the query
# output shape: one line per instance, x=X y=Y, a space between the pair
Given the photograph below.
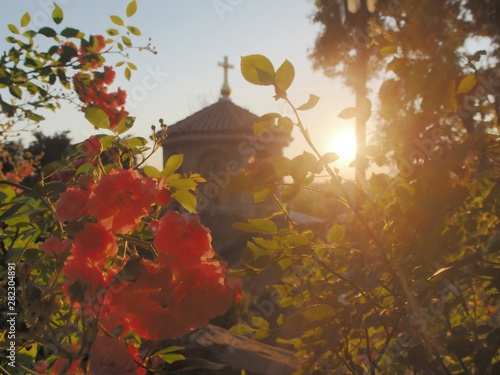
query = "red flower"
x=54 y=246
x=182 y=238
x=163 y=197
x=121 y=199
x=109 y=357
x=79 y=269
x=109 y=75
x=71 y=204
x=63 y=363
x=94 y=243
x=91 y=147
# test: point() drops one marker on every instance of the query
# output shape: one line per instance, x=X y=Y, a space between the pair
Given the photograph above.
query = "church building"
x=218 y=142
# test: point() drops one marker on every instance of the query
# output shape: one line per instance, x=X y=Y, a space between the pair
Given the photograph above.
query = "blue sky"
x=191 y=37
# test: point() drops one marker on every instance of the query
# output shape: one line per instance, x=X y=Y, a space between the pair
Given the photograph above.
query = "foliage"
x=96 y=260
x=425 y=60
x=408 y=281
x=45 y=67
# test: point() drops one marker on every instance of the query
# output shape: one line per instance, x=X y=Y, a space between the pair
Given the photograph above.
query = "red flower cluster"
x=92 y=90
x=182 y=292
x=91 y=147
x=109 y=357
x=121 y=199
x=88 y=53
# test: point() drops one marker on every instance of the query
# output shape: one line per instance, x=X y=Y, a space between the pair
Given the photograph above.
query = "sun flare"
x=344 y=145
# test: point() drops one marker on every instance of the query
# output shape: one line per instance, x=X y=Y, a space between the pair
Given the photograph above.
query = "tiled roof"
x=223 y=115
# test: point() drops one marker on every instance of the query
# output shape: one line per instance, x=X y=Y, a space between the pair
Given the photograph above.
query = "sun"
x=344 y=145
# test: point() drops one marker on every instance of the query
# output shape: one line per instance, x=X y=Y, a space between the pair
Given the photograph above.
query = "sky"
x=191 y=37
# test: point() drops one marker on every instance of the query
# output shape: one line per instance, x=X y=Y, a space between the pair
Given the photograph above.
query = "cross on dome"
x=225 y=90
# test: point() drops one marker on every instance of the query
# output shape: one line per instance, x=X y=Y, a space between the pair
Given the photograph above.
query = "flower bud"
x=92 y=146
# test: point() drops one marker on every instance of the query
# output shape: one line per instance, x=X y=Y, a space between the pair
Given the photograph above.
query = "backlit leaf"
x=97 y=117
x=186 y=198
x=257 y=69
x=12 y=28
x=241 y=329
x=117 y=20
x=134 y=30
x=264 y=226
x=313 y=100
x=336 y=233
x=57 y=14
x=259 y=322
x=467 y=84
x=131 y=8
x=284 y=76
x=137 y=142
x=126 y=40
x=348 y=113
x=151 y=171
x=25 y=19
x=172 y=164
x=125 y=124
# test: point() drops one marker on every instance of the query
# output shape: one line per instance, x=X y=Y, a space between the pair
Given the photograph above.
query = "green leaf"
x=12 y=28
x=135 y=142
x=172 y=164
x=336 y=233
x=302 y=164
x=172 y=357
x=259 y=322
x=134 y=30
x=25 y=19
x=16 y=91
x=151 y=171
x=281 y=164
x=241 y=329
x=126 y=40
x=168 y=349
x=257 y=69
x=467 y=84
x=186 y=198
x=57 y=14
x=313 y=100
x=112 y=32
x=69 y=32
x=125 y=124
x=314 y=313
x=261 y=194
x=264 y=226
x=347 y=113
x=131 y=8
x=48 y=32
x=261 y=334
x=128 y=73
x=97 y=117
x=117 y=20
x=131 y=65
x=284 y=76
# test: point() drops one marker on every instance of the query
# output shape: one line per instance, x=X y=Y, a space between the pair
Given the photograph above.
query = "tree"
x=49 y=148
x=425 y=53
x=406 y=281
